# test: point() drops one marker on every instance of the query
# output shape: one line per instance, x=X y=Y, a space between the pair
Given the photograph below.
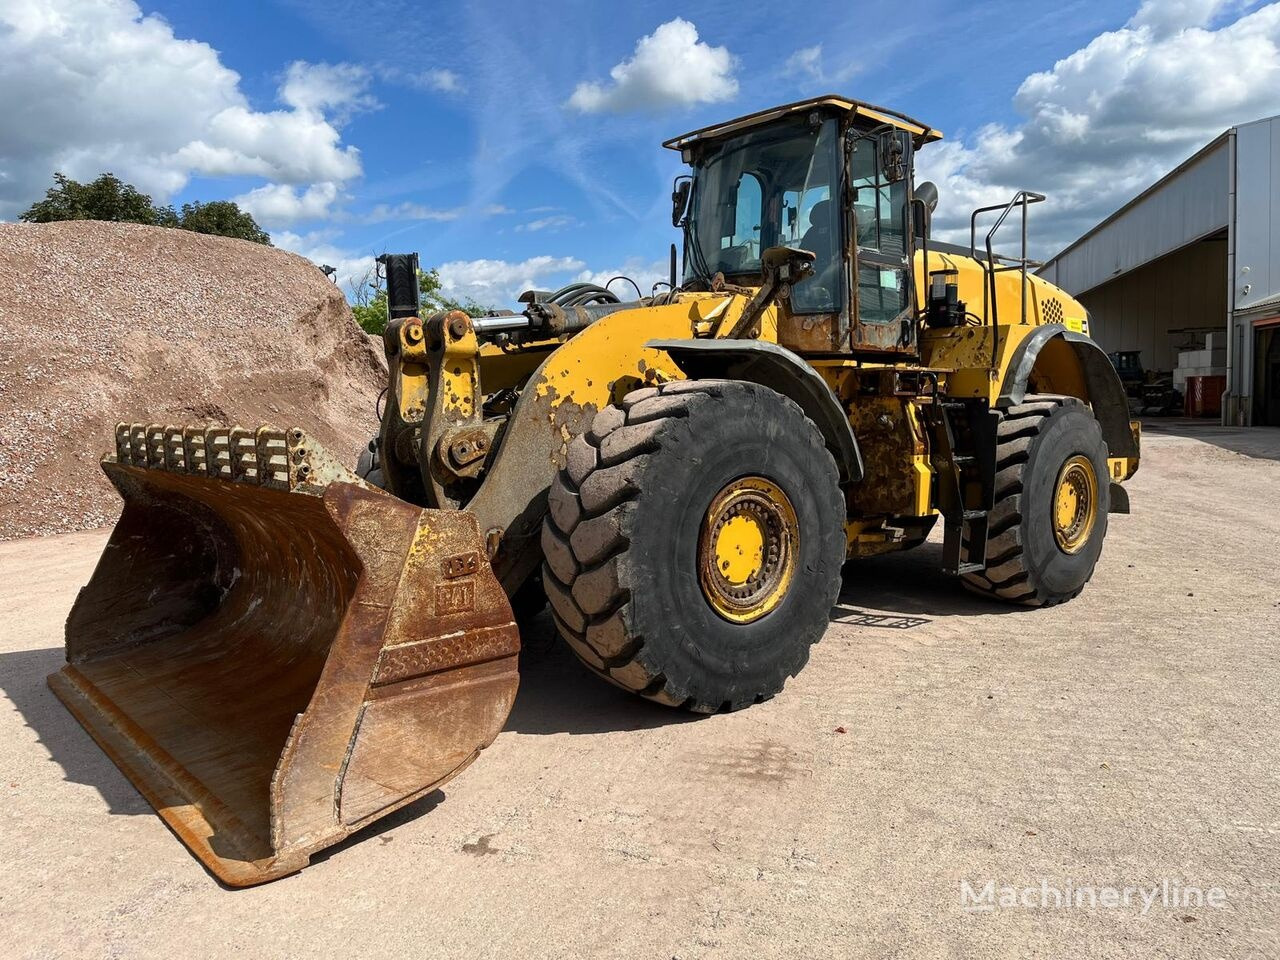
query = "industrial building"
x=1188 y=273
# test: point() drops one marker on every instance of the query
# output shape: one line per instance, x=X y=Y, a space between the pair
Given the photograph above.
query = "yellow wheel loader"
x=278 y=650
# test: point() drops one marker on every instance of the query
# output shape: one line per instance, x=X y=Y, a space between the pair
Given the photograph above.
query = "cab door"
x=884 y=313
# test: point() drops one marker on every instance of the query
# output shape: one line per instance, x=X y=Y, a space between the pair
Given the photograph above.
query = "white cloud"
x=327 y=87
x=319 y=247
x=643 y=272
x=557 y=221
x=496 y=210
x=409 y=211
x=1166 y=17
x=806 y=62
x=443 y=81
x=435 y=80
x=88 y=86
x=493 y=283
x=497 y=283
x=278 y=204
x=670 y=67
x=1111 y=118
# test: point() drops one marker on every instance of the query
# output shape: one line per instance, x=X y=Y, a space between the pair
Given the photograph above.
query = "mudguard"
x=1105 y=391
x=777 y=368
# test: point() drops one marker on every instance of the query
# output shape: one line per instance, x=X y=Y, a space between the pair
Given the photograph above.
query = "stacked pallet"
x=1211 y=361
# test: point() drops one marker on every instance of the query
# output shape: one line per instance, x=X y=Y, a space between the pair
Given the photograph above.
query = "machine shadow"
x=406 y=814
x=560 y=695
x=909 y=584
x=557 y=693
x=22 y=676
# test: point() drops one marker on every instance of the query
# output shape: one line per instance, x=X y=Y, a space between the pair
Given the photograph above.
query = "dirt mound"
x=103 y=322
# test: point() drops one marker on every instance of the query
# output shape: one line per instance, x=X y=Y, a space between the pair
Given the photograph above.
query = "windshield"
x=769 y=188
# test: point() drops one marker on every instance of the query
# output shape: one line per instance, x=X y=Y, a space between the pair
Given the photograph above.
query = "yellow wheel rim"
x=1075 y=504
x=747 y=549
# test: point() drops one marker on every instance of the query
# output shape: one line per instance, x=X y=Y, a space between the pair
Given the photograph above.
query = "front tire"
x=1052 y=496
x=693 y=543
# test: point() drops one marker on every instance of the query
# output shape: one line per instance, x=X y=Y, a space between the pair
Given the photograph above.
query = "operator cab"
x=831 y=176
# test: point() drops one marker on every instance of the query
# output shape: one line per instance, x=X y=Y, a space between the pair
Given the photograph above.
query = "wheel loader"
x=279 y=650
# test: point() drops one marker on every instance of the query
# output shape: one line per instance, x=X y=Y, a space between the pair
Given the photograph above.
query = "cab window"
x=771 y=187
x=879 y=210
x=743 y=244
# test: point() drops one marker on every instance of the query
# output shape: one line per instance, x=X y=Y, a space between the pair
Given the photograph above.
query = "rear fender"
x=1059 y=360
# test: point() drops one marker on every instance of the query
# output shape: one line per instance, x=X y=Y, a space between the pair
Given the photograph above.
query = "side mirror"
x=680 y=199
x=892 y=153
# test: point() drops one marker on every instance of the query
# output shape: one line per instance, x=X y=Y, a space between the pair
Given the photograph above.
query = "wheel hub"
x=747 y=549
x=1075 y=504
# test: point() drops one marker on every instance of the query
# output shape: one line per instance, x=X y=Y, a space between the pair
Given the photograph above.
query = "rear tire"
x=626 y=537
x=1042 y=444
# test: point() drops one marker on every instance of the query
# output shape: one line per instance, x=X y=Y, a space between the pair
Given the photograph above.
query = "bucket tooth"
x=277 y=654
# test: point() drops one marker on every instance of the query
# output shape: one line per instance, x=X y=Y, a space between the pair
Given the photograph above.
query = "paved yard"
x=1128 y=738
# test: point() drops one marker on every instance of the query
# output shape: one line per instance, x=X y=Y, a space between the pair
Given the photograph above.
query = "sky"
x=516 y=145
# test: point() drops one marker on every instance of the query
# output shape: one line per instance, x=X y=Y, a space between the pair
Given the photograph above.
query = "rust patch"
x=457 y=597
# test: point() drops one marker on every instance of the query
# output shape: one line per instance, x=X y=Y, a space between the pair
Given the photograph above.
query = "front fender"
x=777 y=368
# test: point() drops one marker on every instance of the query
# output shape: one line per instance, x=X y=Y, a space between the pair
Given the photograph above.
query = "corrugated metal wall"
x=1192 y=203
x=1257 y=211
x=1138 y=310
x=1146 y=271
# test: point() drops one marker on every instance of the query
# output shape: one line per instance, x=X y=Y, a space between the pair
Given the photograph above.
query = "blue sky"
x=515 y=144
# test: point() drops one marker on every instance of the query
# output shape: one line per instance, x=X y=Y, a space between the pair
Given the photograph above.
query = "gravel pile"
x=103 y=322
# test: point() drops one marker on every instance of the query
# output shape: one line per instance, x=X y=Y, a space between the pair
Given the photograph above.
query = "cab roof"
x=921 y=132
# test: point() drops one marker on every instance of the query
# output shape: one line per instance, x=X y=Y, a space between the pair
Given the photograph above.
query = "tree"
x=369 y=300
x=110 y=198
x=107 y=198
x=222 y=218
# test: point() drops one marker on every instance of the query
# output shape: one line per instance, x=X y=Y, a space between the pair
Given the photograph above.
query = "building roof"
x=1171 y=175
x=1129 y=205
x=1264 y=304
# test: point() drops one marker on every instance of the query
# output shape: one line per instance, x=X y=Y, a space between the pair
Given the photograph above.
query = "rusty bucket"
x=277 y=654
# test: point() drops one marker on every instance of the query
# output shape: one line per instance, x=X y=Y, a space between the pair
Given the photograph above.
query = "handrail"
x=990 y=268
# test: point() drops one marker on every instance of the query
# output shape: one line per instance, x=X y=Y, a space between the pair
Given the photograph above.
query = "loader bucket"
x=277 y=654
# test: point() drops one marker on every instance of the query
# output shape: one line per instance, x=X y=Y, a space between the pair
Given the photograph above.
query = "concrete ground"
x=1126 y=739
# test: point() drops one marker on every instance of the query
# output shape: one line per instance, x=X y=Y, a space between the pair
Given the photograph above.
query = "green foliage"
x=372 y=314
x=221 y=218
x=434 y=301
x=370 y=302
x=107 y=198
x=110 y=198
